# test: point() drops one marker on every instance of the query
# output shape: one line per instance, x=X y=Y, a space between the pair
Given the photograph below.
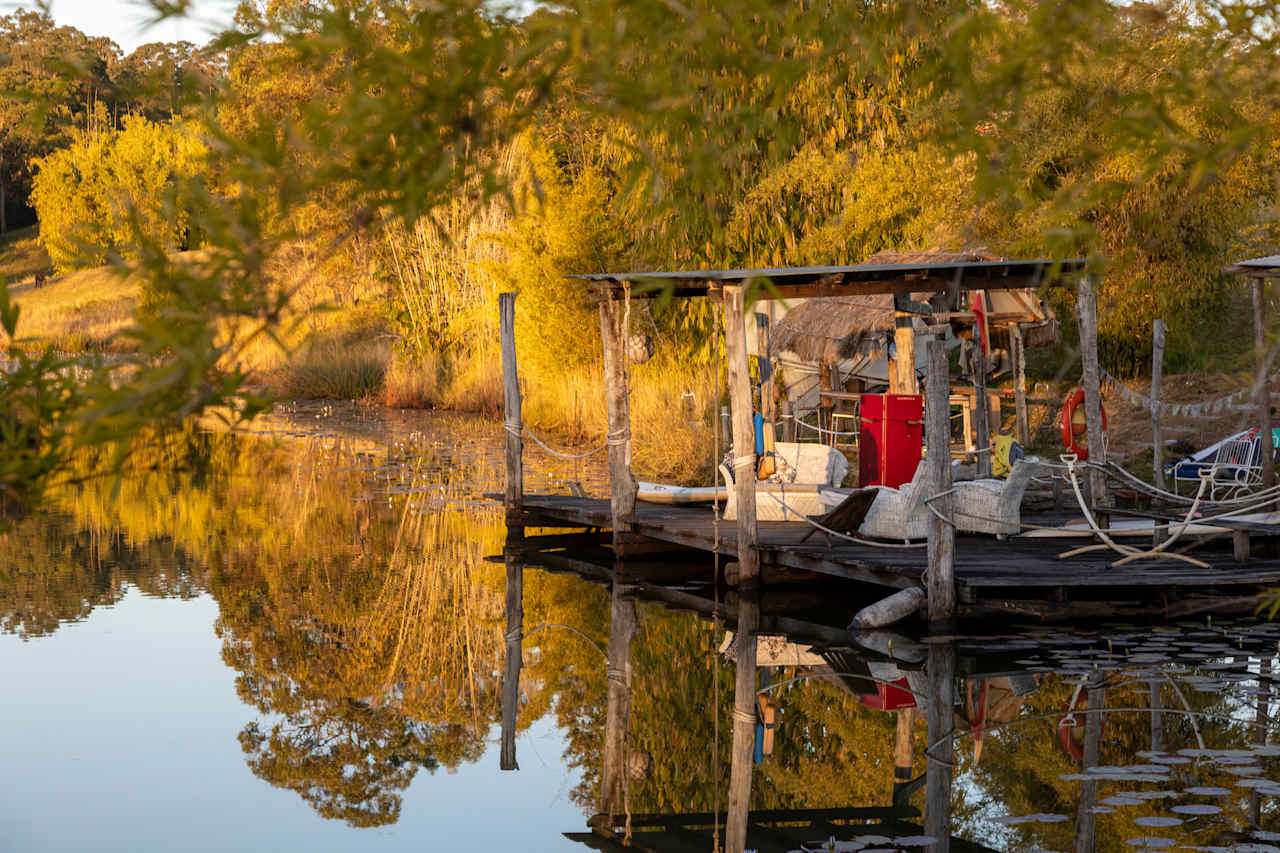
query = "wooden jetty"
x=963 y=575
x=1017 y=577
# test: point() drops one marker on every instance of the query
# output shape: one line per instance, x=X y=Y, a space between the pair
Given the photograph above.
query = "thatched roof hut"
x=831 y=329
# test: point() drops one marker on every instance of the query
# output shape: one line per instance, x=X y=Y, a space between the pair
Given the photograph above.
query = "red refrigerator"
x=889 y=438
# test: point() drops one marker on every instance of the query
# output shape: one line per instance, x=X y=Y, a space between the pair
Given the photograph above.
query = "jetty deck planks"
x=982 y=563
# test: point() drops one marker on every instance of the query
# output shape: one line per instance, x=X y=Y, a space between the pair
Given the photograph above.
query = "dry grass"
x=410 y=385
x=346 y=366
x=86 y=310
x=672 y=431
x=22 y=256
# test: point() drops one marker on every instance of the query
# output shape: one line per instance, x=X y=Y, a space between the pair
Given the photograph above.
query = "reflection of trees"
x=347 y=759
x=366 y=633
x=53 y=570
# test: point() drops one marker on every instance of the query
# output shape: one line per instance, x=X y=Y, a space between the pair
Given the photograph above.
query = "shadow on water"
x=381 y=622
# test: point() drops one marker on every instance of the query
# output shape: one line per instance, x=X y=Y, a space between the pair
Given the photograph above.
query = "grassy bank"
x=83 y=311
x=21 y=255
x=349 y=350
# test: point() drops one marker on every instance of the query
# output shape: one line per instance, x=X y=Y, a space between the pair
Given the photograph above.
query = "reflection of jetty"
x=769 y=831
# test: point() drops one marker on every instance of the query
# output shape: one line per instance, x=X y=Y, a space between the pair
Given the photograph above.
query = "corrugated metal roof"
x=863 y=277
x=864 y=272
x=1269 y=262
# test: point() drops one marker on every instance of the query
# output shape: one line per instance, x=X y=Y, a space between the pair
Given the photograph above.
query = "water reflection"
x=383 y=625
x=1125 y=738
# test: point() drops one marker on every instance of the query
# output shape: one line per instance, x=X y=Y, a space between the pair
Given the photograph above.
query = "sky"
x=124 y=21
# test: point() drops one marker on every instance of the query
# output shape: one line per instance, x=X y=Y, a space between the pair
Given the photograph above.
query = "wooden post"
x=744 y=722
x=903 y=751
x=1156 y=704
x=744 y=438
x=939 y=580
x=1157 y=376
x=622 y=630
x=513 y=420
x=1084 y=836
x=1241 y=549
x=1261 y=723
x=1087 y=315
x=515 y=648
x=904 y=337
x=1020 y=384
x=981 y=411
x=940 y=717
x=617 y=384
x=1262 y=392
x=825 y=406
x=788 y=421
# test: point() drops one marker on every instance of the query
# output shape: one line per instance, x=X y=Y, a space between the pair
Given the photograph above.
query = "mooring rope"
x=515 y=634
x=823 y=430
x=1115 y=470
x=716 y=623
x=515 y=429
x=1129 y=552
x=827 y=530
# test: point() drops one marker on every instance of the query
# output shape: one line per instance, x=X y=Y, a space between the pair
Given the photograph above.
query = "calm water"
x=294 y=640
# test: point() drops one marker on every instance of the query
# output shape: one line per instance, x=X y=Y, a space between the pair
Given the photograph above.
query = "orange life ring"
x=1071 y=424
x=1072 y=724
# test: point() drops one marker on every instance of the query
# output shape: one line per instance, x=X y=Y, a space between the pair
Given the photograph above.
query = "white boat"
x=662 y=493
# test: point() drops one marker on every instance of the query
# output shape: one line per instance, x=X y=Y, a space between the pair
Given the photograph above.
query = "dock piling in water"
x=515 y=648
x=1087 y=315
x=617 y=392
x=622 y=630
x=940 y=576
x=744 y=438
x=512 y=416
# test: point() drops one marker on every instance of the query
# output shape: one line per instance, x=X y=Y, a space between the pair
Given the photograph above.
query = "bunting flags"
x=1233 y=402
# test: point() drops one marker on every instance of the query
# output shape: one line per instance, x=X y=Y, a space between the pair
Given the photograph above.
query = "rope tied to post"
x=552 y=450
x=617 y=438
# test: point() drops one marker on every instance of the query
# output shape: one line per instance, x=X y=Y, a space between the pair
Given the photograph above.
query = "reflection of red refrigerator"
x=889 y=438
x=890 y=697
